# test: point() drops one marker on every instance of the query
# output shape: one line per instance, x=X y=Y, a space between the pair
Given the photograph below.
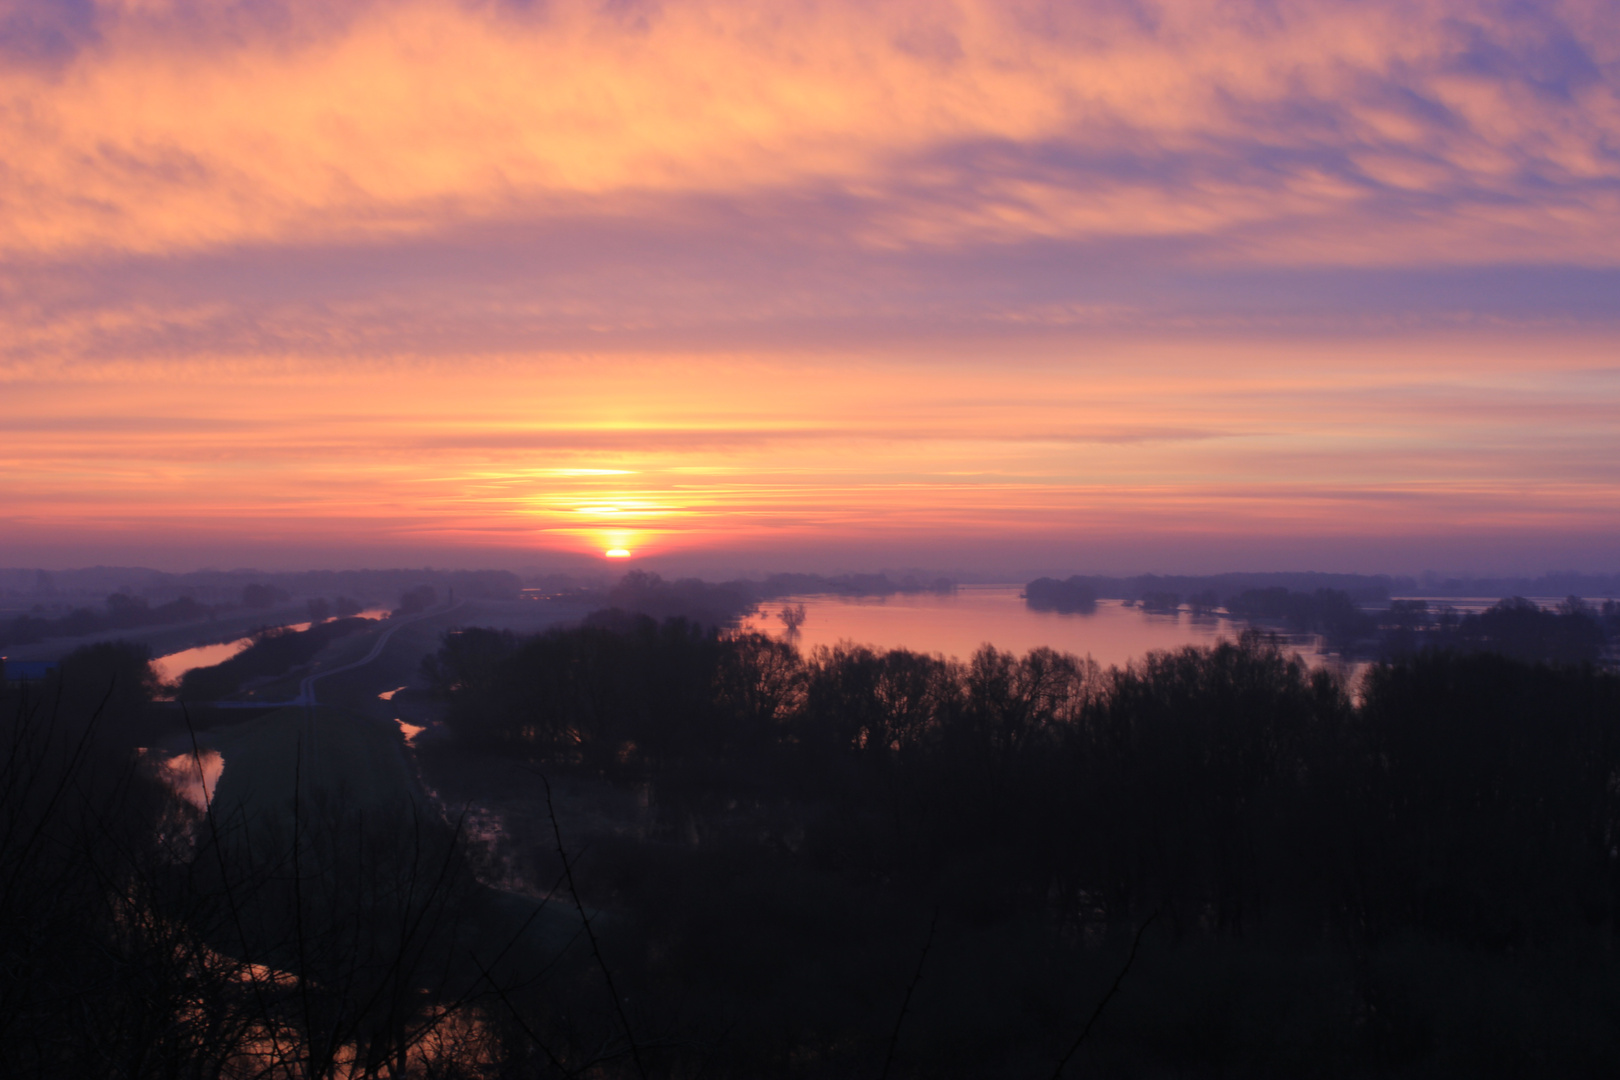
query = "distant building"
x=23 y=671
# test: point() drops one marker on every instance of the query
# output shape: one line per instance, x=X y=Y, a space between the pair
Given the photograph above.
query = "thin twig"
x=70 y=770
x=210 y=815
x=523 y=1025
x=1057 y=1073
x=298 y=917
x=596 y=949
x=894 y=1036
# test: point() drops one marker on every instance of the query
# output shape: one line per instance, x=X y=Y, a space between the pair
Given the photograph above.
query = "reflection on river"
x=173 y=665
x=192 y=776
x=957 y=624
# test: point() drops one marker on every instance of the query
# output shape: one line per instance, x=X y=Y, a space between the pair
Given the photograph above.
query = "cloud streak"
x=468 y=273
x=1339 y=133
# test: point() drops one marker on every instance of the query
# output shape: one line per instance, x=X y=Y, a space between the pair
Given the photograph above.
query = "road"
x=306 y=687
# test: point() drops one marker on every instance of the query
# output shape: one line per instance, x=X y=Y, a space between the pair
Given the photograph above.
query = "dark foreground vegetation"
x=1217 y=863
x=1422 y=881
x=143 y=936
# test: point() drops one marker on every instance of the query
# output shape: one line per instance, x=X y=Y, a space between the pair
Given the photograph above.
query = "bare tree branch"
x=894 y=1036
x=590 y=934
x=1057 y=1073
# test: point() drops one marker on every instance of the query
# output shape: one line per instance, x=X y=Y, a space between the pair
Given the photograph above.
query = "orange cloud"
x=721 y=273
x=1363 y=133
x=707 y=452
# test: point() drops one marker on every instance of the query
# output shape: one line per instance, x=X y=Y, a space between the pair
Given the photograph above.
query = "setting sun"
x=407 y=302
x=617 y=553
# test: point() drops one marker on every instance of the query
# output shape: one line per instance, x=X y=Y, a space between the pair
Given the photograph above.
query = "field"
x=325 y=752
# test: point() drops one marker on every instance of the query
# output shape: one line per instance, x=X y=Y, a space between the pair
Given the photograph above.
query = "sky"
x=1010 y=286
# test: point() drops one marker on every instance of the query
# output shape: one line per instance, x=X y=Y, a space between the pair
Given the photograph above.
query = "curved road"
x=306 y=687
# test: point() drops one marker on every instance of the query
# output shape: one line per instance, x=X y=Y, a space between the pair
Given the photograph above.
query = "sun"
x=618 y=543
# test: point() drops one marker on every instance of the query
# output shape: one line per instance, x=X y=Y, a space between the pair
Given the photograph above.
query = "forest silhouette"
x=1217 y=861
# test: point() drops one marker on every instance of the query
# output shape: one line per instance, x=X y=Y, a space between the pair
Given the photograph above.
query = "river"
x=956 y=624
x=171 y=666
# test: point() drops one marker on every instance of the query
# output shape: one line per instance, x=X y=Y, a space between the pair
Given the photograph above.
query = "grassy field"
x=400 y=661
x=349 y=746
x=327 y=752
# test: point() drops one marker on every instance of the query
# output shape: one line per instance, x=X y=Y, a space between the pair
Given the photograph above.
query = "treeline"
x=724 y=603
x=1219 y=785
x=1560 y=583
x=1334 y=612
x=1460 y=813
x=1575 y=632
x=776 y=586
x=1274 y=595
x=126 y=612
x=122 y=612
x=1361 y=588
x=1074 y=596
x=1213 y=590
x=226 y=586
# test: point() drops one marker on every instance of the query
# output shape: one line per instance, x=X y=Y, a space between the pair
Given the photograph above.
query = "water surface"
x=957 y=624
x=192 y=776
x=176 y=664
x=173 y=665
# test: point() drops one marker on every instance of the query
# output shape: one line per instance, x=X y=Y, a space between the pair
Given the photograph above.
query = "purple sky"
x=1112 y=286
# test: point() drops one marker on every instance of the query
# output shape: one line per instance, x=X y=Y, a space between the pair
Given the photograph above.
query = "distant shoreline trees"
x=123 y=612
x=1575 y=632
x=1074 y=596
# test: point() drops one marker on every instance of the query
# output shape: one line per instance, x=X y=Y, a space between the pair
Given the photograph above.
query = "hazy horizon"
x=585 y=569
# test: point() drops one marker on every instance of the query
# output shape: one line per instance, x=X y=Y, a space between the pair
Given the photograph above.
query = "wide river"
x=957 y=624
